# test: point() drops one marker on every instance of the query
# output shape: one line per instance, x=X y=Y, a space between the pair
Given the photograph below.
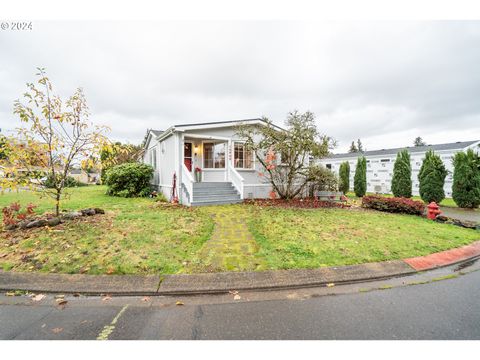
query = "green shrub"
x=393 y=204
x=344 y=177
x=129 y=180
x=360 y=179
x=402 y=175
x=432 y=178
x=69 y=182
x=466 y=179
x=322 y=179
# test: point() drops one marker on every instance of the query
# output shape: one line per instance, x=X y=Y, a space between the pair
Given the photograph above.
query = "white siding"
x=379 y=174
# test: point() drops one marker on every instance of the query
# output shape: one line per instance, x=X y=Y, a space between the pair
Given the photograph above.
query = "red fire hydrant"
x=433 y=210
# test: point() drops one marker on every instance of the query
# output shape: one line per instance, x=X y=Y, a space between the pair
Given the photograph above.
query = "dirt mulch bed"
x=308 y=203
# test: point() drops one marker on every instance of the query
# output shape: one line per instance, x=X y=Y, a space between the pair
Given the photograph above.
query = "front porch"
x=210 y=170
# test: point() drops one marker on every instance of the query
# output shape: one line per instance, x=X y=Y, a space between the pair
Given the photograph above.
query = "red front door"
x=187 y=155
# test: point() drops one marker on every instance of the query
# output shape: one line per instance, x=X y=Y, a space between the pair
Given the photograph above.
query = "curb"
x=220 y=283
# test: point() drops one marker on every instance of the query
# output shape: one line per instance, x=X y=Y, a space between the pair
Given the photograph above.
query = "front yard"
x=140 y=236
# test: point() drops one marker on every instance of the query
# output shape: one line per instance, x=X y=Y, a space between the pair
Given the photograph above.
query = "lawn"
x=134 y=236
x=142 y=236
x=293 y=238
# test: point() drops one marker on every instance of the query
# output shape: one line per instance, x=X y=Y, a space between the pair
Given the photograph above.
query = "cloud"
x=384 y=82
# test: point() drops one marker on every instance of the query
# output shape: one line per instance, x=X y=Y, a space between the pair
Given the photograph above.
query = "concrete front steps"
x=214 y=193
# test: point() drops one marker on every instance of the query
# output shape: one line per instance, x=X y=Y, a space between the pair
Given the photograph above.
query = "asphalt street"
x=419 y=307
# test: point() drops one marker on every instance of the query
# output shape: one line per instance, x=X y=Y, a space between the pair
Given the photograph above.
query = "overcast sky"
x=383 y=82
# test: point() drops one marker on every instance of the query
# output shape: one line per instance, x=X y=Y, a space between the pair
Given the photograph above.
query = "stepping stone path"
x=232 y=247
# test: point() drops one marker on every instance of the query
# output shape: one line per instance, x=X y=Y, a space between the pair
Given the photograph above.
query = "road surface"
x=404 y=308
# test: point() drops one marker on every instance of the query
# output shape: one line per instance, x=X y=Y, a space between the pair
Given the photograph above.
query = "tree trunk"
x=57 y=204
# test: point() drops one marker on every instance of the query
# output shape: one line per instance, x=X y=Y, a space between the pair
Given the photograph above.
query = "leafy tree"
x=432 y=178
x=4 y=148
x=466 y=179
x=360 y=178
x=359 y=145
x=287 y=157
x=353 y=148
x=57 y=134
x=419 y=142
x=344 y=177
x=402 y=175
x=116 y=153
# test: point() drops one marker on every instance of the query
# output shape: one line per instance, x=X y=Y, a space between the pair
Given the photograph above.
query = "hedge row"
x=393 y=205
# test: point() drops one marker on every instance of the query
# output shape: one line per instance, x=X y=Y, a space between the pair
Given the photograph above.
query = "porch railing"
x=187 y=181
x=236 y=179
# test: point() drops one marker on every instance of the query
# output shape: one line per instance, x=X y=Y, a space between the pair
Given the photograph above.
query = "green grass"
x=293 y=238
x=445 y=202
x=134 y=236
x=141 y=236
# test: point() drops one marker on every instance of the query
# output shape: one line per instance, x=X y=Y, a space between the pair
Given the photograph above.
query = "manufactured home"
x=203 y=164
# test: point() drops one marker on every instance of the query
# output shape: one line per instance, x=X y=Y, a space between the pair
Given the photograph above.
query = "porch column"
x=179 y=141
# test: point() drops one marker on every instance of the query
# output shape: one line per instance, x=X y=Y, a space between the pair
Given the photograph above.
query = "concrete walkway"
x=461 y=214
x=231 y=247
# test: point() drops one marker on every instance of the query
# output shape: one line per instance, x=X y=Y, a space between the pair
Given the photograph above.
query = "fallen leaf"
x=233 y=292
x=38 y=297
x=61 y=301
x=110 y=271
x=330 y=285
x=10 y=293
x=59 y=296
x=237 y=297
x=179 y=303
x=57 y=330
x=107 y=298
x=146 y=298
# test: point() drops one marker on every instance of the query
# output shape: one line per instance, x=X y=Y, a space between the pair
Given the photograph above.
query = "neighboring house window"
x=329 y=166
x=154 y=158
x=214 y=155
x=242 y=158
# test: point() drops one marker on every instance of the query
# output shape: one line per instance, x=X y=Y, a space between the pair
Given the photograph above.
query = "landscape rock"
x=11 y=227
x=88 y=212
x=23 y=224
x=72 y=215
x=36 y=223
x=54 y=221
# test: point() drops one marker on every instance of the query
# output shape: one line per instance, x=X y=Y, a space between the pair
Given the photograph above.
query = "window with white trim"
x=214 y=155
x=242 y=157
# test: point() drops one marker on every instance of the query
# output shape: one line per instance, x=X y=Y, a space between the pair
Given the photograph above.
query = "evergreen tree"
x=432 y=178
x=353 y=148
x=359 y=145
x=344 y=175
x=360 y=179
x=402 y=175
x=419 y=142
x=466 y=179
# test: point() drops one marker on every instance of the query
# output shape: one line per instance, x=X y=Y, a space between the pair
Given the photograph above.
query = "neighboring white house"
x=229 y=171
x=380 y=164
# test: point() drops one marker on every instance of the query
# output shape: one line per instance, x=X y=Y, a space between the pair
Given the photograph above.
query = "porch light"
x=195 y=150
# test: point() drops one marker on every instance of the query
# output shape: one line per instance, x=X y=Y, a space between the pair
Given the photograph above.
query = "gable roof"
x=156 y=132
x=459 y=145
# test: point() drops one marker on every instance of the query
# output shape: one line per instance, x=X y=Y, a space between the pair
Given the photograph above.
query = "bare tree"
x=60 y=132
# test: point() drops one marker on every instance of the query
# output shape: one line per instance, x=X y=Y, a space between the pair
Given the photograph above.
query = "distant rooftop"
x=437 y=147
